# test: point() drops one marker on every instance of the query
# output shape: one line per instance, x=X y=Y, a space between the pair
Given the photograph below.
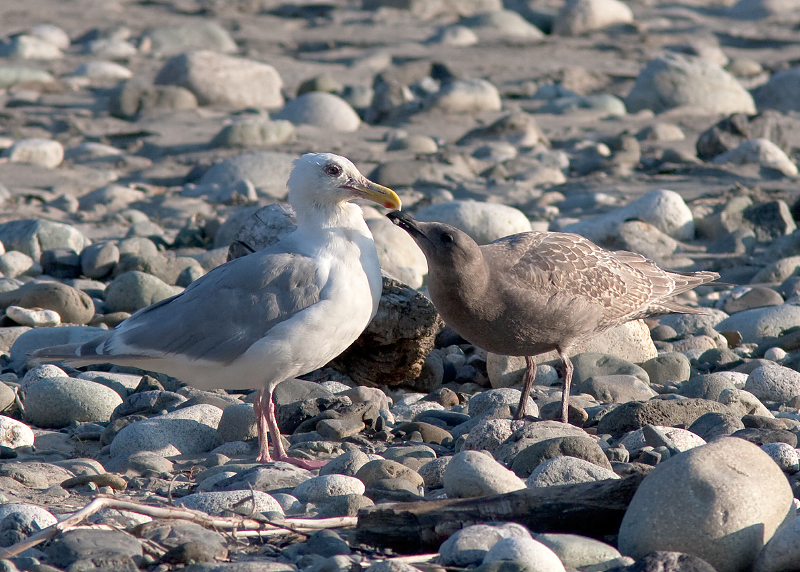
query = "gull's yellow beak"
x=376 y=193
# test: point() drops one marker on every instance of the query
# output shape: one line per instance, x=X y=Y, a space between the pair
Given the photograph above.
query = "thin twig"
x=235 y=522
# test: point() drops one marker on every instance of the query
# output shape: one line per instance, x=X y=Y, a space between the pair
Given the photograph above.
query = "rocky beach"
x=144 y=143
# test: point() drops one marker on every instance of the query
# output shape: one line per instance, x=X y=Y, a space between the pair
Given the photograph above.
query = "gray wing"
x=223 y=313
x=569 y=265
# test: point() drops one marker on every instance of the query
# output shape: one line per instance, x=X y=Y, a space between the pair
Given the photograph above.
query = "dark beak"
x=406 y=222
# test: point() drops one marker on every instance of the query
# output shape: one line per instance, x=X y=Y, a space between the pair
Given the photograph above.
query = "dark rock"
x=344 y=505
x=584 y=448
x=707 y=386
x=392 y=490
x=394 y=345
x=672 y=366
x=730 y=132
x=756 y=297
x=669 y=413
x=176 y=533
x=61 y=263
x=430 y=433
x=761 y=422
x=74 y=306
x=135 y=96
x=770 y=220
x=762 y=436
x=720 y=359
x=85 y=544
x=711 y=425
x=326 y=543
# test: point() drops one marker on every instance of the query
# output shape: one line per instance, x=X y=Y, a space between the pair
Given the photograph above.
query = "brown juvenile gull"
x=534 y=292
x=269 y=316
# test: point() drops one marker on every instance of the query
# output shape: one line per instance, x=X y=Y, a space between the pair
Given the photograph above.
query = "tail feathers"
x=685 y=281
x=72 y=354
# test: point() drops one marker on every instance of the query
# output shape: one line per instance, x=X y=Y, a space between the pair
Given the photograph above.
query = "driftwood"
x=239 y=525
x=590 y=509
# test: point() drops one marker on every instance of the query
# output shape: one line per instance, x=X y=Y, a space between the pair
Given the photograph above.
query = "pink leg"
x=275 y=436
x=261 y=426
x=530 y=373
x=568 y=369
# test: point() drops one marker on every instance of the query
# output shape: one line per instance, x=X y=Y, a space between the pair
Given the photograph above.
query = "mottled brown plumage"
x=535 y=292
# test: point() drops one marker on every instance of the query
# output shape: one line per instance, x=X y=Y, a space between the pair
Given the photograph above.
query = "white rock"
x=467 y=96
x=43 y=152
x=221 y=503
x=784 y=455
x=189 y=430
x=505 y=24
x=760 y=152
x=32 y=515
x=488 y=434
x=322 y=488
x=456 y=36
x=775 y=354
x=399 y=255
x=676 y=80
x=407 y=412
x=15 y=433
x=773 y=383
x=683 y=439
x=566 y=470
x=484 y=222
x=218 y=79
x=664 y=209
x=474 y=474
x=111 y=49
x=15 y=263
x=103 y=70
x=31 y=48
x=40 y=372
x=51 y=34
x=526 y=551
x=33 y=317
x=324 y=110
x=492 y=398
x=580 y=16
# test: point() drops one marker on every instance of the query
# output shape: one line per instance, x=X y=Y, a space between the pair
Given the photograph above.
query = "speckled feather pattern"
x=626 y=285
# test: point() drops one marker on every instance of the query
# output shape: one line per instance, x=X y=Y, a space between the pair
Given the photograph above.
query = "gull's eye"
x=447 y=238
x=333 y=170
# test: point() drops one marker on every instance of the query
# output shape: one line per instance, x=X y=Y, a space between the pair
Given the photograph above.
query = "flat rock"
x=474 y=474
x=692 y=82
x=58 y=401
x=189 y=430
x=565 y=470
x=218 y=79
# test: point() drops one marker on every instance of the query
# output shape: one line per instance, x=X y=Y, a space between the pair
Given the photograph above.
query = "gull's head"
x=327 y=179
x=444 y=246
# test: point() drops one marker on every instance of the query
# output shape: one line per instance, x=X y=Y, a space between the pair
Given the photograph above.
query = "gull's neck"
x=326 y=215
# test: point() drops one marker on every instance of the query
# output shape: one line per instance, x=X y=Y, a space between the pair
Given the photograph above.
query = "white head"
x=326 y=180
